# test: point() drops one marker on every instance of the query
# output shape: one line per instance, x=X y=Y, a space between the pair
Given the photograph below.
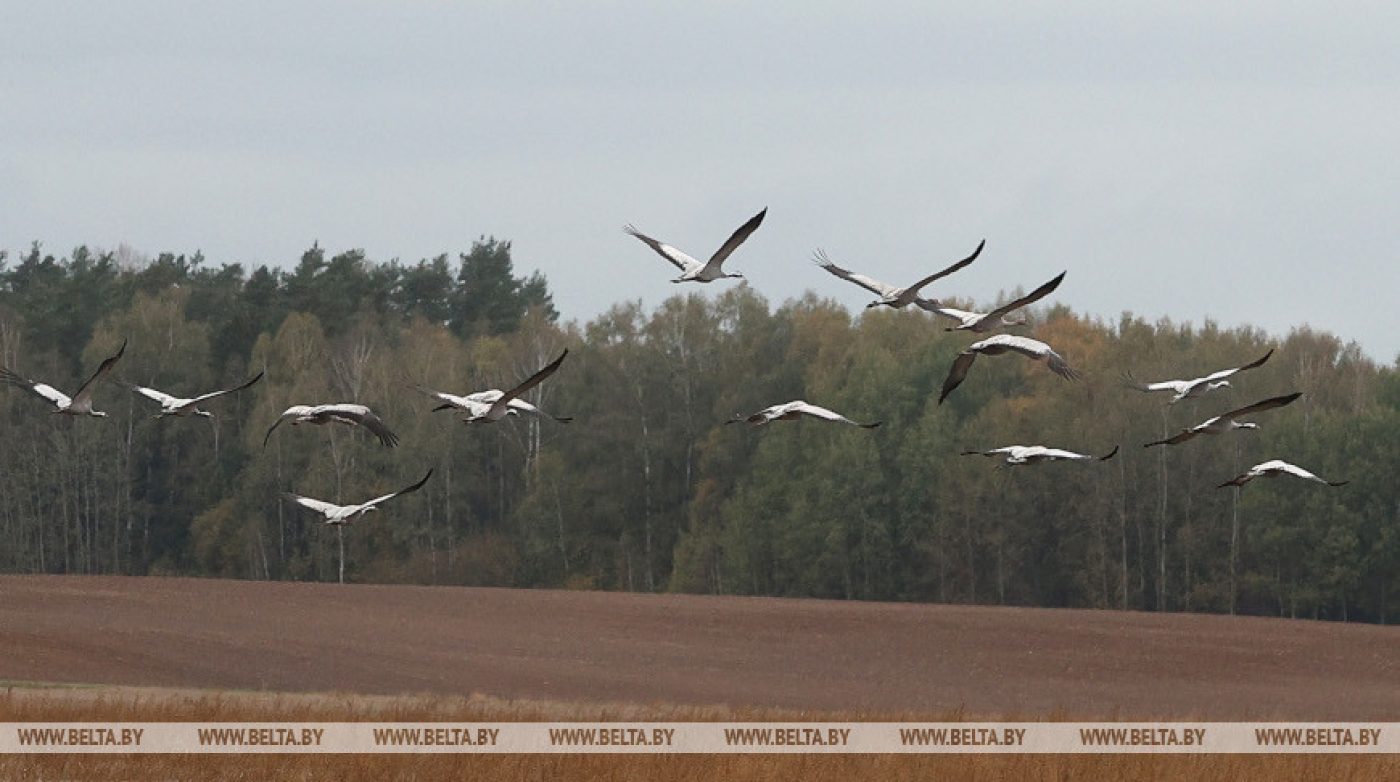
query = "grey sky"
x=1192 y=160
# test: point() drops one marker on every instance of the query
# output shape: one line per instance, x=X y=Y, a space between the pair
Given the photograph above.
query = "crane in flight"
x=173 y=405
x=1197 y=387
x=791 y=411
x=337 y=515
x=78 y=404
x=891 y=296
x=693 y=270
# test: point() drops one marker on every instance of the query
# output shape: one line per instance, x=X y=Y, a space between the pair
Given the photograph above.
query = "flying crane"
x=80 y=403
x=693 y=270
x=891 y=296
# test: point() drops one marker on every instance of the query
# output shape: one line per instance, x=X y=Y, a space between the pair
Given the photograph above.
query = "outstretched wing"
x=1267 y=404
x=363 y=416
x=1238 y=480
x=936 y=275
x=84 y=394
x=957 y=373
x=163 y=398
x=291 y=412
x=275 y=424
x=682 y=261
x=530 y=382
x=869 y=283
x=1033 y=349
x=213 y=394
x=58 y=398
x=736 y=239
x=1029 y=298
x=1299 y=472
x=829 y=415
x=1277 y=466
x=1176 y=439
x=413 y=488
x=324 y=508
x=1224 y=373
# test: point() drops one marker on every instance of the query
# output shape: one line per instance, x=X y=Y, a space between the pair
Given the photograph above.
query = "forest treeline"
x=648 y=489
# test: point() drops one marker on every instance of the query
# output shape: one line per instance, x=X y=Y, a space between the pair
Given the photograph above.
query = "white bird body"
x=693 y=270
x=501 y=406
x=173 y=405
x=477 y=405
x=790 y=411
x=515 y=405
x=78 y=404
x=473 y=407
x=1031 y=454
x=1197 y=387
x=484 y=407
x=976 y=322
x=1226 y=422
x=891 y=296
x=1276 y=467
x=982 y=322
x=344 y=514
x=998 y=344
x=354 y=415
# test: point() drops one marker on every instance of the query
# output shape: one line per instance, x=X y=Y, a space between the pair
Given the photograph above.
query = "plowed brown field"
x=682 y=649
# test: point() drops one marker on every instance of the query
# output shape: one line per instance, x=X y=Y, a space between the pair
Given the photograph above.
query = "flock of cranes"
x=481 y=407
x=995 y=345
x=495 y=404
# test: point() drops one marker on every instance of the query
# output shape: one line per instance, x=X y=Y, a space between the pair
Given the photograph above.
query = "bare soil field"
x=727 y=652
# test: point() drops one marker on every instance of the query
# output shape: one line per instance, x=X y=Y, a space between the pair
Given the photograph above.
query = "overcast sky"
x=1232 y=161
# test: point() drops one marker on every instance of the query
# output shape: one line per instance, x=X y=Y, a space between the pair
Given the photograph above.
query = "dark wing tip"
x=553 y=365
x=418 y=485
x=275 y=424
x=957 y=373
x=870 y=426
x=1128 y=381
x=1258 y=362
x=1109 y=455
x=1338 y=483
